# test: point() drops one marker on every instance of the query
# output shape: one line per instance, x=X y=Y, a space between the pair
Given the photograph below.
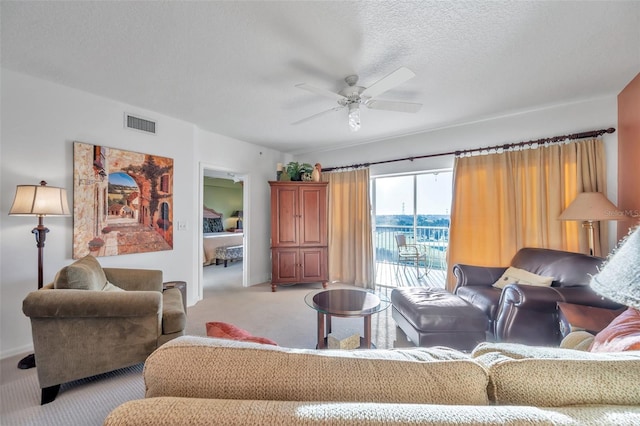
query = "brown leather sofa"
x=529 y=314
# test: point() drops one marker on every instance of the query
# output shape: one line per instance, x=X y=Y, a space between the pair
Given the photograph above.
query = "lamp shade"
x=590 y=206
x=619 y=279
x=40 y=200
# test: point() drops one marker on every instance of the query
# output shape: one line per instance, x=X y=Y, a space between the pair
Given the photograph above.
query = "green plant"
x=295 y=170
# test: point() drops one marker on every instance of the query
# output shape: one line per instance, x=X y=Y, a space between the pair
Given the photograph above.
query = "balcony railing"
x=434 y=239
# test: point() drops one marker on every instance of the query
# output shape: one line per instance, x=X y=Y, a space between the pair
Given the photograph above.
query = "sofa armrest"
x=545 y=299
x=529 y=314
x=470 y=275
x=135 y=279
x=540 y=299
x=91 y=304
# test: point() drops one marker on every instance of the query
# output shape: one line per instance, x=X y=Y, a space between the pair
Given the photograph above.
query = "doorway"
x=223 y=192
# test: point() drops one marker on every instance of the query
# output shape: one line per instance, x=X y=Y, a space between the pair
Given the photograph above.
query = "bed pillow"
x=520 y=276
x=212 y=225
x=216 y=225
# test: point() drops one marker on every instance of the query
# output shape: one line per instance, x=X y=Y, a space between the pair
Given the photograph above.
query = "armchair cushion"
x=520 y=276
x=83 y=274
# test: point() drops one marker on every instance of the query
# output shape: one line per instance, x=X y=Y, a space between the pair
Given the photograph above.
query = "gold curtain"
x=349 y=223
x=503 y=202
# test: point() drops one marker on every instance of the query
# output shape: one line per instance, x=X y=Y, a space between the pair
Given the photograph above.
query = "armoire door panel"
x=313 y=229
x=286 y=265
x=314 y=264
x=285 y=207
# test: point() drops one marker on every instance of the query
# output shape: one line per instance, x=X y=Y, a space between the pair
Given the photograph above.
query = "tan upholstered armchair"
x=91 y=321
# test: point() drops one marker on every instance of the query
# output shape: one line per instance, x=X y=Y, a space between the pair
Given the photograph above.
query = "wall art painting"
x=122 y=201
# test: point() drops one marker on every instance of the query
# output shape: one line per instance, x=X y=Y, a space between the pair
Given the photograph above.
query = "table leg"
x=328 y=324
x=367 y=331
x=321 y=330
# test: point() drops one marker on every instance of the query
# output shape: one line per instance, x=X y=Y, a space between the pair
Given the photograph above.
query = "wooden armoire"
x=298 y=233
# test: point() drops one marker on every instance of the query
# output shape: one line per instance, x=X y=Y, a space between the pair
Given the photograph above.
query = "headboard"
x=210 y=213
x=211 y=221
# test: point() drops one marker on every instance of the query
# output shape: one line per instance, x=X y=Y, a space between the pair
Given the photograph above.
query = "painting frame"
x=122 y=201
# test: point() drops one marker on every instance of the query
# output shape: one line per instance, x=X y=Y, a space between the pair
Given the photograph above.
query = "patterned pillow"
x=212 y=225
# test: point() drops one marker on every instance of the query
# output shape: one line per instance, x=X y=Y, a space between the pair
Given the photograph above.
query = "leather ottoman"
x=431 y=317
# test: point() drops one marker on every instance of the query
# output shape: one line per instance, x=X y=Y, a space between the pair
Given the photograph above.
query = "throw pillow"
x=520 y=276
x=83 y=274
x=225 y=330
x=622 y=334
x=212 y=225
x=111 y=287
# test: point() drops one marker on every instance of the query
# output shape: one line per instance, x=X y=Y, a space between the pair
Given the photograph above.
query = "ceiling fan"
x=353 y=96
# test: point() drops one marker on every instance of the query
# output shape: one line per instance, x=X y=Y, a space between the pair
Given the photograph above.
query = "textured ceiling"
x=231 y=67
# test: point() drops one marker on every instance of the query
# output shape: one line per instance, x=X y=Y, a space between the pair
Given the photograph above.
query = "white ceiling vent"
x=139 y=123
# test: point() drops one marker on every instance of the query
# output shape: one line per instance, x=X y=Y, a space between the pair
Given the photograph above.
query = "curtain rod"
x=554 y=139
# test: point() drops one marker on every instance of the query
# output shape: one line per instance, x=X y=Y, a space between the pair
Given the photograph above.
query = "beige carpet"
x=282 y=316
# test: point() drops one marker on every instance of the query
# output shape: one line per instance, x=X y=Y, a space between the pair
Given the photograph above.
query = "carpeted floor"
x=282 y=316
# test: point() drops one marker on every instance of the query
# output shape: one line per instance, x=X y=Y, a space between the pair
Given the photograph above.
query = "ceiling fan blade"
x=318 y=115
x=321 y=92
x=392 y=80
x=394 y=106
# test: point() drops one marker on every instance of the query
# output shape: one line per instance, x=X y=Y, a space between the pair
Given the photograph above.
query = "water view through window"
x=417 y=206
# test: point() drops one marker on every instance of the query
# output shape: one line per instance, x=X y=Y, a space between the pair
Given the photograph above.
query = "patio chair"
x=411 y=254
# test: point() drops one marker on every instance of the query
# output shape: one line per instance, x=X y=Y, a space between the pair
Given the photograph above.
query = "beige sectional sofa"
x=206 y=381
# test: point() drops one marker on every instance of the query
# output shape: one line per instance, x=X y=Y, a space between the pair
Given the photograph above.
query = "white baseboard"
x=26 y=349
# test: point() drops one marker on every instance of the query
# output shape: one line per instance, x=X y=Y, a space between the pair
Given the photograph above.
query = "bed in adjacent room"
x=215 y=236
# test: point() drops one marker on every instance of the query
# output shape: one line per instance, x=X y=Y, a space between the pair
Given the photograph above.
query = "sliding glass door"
x=417 y=206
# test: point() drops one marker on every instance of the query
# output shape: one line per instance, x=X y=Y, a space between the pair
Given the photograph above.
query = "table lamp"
x=238 y=214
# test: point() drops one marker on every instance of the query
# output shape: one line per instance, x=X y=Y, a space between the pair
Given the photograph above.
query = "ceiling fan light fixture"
x=354 y=117
x=353 y=96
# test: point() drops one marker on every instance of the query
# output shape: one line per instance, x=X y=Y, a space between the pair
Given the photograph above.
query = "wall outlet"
x=182 y=225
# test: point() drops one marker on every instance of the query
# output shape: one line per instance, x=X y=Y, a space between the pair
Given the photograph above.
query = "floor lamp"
x=589 y=207
x=39 y=200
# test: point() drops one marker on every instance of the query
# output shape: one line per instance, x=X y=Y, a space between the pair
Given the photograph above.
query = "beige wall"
x=223 y=196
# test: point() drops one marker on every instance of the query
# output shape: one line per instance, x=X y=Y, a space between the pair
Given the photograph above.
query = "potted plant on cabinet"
x=297 y=171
